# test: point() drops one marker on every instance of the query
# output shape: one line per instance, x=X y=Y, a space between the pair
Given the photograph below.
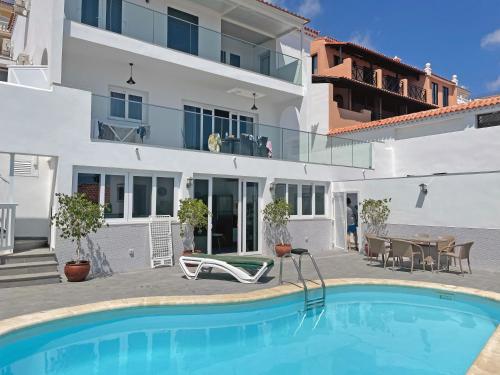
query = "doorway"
x=346 y=229
x=234 y=226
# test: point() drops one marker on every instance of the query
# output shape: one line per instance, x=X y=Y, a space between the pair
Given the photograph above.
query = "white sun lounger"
x=245 y=269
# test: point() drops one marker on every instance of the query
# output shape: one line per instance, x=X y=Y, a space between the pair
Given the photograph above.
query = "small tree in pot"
x=277 y=215
x=374 y=214
x=193 y=215
x=76 y=218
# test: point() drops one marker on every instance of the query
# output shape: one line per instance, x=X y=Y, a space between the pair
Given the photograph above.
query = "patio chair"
x=377 y=246
x=457 y=252
x=406 y=249
x=245 y=269
x=445 y=244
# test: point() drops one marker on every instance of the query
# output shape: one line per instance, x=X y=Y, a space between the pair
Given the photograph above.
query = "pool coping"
x=486 y=363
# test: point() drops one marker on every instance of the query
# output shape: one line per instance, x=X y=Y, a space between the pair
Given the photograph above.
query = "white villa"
x=142 y=103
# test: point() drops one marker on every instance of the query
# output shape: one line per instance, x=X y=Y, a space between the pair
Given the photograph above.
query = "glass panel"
x=114 y=196
x=182 y=31
x=90 y=185
x=192 y=127
x=319 y=200
x=165 y=196
x=140 y=22
x=135 y=107
x=114 y=15
x=252 y=216
x=225 y=215
x=265 y=63
x=361 y=154
x=306 y=200
x=221 y=123
x=342 y=151
x=142 y=192
x=207 y=128
x=90 y=12
x=319 y=148
x=201 y=192
x=280 y=192
x=117 y=104
x=293 y=196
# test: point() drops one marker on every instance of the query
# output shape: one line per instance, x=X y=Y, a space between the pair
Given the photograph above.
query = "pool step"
x=31 y=267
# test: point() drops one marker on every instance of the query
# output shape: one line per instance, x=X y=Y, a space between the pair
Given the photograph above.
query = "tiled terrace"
x=170 y=281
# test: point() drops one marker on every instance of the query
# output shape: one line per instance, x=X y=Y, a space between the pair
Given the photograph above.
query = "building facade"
x=6 y=24
x=363 y=85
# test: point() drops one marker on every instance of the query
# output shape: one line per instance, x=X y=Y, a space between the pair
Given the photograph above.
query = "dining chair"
x=406 y=249
x=457 y=252
x=377 y=246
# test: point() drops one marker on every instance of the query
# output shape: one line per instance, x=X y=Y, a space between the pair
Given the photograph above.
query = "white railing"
x=7 y=222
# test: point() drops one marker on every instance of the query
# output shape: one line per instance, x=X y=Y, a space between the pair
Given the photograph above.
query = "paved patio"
x=171 y=281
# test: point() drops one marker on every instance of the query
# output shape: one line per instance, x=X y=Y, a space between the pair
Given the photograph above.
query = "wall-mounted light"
x=271 y=187
x=189 y=182
x=131 y=81
x=423 y=188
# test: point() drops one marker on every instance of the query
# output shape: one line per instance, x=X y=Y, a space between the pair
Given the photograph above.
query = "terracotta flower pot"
x=282 y=249
x=77 y=272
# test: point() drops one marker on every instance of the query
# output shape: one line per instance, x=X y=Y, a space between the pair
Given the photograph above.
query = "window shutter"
x=26 y=165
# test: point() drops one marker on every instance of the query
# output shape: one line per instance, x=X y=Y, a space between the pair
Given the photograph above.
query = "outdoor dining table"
x=425 y=241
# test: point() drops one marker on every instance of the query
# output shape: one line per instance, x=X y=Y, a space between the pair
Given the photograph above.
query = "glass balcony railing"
x=134 y=122
x=164 y=30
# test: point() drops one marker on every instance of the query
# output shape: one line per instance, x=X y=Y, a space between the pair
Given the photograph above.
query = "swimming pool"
x=364 y=329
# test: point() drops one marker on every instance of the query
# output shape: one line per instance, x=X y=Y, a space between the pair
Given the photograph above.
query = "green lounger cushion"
x=238 y=261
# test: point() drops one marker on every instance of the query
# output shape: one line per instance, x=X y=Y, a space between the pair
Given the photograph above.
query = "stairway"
x=29 y=267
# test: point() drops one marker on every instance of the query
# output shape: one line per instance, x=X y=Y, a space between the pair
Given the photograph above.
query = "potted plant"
x=76 y=218
x=374 y=214
x=277 y=215
x=193 y=215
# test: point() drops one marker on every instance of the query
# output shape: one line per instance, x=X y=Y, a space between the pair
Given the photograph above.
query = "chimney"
x=454 y=79
x=428 y=69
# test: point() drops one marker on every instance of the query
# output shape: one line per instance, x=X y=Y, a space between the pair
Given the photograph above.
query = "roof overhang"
x=256 y=15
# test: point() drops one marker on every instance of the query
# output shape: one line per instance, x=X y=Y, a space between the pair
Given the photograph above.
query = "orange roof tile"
x=474 y=104
x=311 y=32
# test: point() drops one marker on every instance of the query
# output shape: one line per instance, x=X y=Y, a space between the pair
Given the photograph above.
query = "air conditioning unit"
x=23 y=59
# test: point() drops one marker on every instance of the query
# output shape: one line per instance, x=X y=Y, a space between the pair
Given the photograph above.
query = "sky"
x=456 y=36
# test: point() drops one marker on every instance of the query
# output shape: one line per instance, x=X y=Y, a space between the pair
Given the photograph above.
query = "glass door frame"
x=241 y=211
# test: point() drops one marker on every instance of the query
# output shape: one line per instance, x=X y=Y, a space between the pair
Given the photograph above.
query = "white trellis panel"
x=160 y=241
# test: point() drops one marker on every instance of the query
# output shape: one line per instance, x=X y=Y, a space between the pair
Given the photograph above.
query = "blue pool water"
x=362 y=330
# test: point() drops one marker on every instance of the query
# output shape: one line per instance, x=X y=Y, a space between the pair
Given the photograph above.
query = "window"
x=141 y=196
x=223 y=57
x=293 y=197
x=265 y=63
x=114 y=15
x=306 y=199
x=3 y=75
x=314 y=63
x=340 y=100
x=126 y=105
x=446 y=94
x=487 y=120
x=319 y=200
x=234 y=60
x=114 y=197
x=435 y=89
x=280 y=191
x=90 y=185
x=129 y=196
x=336 y=60
x=90 y=12
x=182 y=31
x=165 y=196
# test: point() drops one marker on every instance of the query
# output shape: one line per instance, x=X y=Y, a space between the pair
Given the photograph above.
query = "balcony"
x=418 y=93
x=134 y=122
x=364 y=74
x=160 y=29
x=392 y=84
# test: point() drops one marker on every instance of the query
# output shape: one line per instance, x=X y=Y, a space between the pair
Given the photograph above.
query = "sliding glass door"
x=250 y=217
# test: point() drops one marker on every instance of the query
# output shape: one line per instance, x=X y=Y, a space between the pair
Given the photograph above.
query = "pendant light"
x=131 y=80
x=254 y=107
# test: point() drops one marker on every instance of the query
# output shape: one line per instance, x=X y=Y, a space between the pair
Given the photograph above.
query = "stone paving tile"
x=171 y=282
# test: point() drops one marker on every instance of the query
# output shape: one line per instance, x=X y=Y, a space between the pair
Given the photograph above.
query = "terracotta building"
x=366 y=85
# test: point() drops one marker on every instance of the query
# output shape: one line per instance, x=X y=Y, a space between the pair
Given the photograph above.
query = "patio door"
x=340 y=221
x=250 y=223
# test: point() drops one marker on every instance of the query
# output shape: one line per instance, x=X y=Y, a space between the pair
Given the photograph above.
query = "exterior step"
x=22 y=244
x=28 y=279
x=30 y=256
x=28 y=268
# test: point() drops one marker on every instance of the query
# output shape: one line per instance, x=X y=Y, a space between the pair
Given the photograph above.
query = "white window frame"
x=300 y=184
x=127 y=92
x=128 y=190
